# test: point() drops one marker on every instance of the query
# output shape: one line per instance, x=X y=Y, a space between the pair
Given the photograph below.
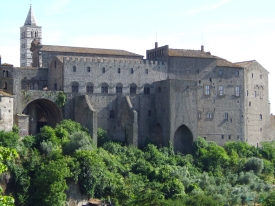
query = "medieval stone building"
x=173 y=95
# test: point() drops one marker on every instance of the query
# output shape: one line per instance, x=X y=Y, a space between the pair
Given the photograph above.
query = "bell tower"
x=28 y=32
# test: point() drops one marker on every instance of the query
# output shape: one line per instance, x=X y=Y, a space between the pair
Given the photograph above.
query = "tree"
x=78 y=140
x=6 y=154
x=50 y=183
x=255 y=164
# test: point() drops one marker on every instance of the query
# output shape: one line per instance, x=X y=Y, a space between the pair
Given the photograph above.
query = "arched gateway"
x=183 y=140
x=42 y=112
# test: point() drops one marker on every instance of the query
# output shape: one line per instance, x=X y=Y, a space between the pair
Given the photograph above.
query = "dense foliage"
x=236 y=174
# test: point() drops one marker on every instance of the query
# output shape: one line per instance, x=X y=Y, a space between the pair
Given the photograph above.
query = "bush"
x=255 y=164
x=9 y=139
x=78 y=140
x=29 y=141
x=102 y=137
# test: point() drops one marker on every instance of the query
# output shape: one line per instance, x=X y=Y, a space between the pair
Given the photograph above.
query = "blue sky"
x=232 y=29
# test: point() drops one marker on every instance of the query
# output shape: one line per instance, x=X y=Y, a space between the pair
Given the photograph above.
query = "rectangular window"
x=88 y=69
x=247 y=93
x=221 y=92
x=222 y=136
x=146 y=71
x=237 y=91
x=74 y=68
x=236 y=73
x=206 y=90
x=226 y=116
x=255 y=93
x=55 y=86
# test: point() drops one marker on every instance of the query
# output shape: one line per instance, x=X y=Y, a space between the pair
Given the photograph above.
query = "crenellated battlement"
x=91 y=60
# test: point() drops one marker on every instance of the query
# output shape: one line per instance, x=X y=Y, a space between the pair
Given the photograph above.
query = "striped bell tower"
x=28 y=32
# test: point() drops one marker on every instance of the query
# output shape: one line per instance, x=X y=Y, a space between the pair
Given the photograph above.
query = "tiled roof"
x=245 y=63
x=30 y=20
x=225 y=63
x=4 y=94
x=6 y=64
x=189 y=53
x=85 y=50
x=200 y=54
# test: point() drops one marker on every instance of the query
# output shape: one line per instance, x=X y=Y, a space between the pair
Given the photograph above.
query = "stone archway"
x=183 y=140
x=42 y=112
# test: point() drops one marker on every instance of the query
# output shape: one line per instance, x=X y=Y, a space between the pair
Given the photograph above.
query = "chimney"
x=156 y=45
x=202 y=48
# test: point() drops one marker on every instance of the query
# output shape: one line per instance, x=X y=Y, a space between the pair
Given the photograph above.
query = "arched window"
x=209 y=115
x=36 y=34
x=5 y=85
x=132 y=71
x=133 y=88
x=261 y=116
x=4 y=73
x=89 y=88
x=31 y=33
x=7 y=73
x=147 y=89
x=103 y=70
x=112 y=114
x=88 y=69
x=119 y=88
x=75 y=86
x=118 y=70
x=199 y=114
x=104 y=88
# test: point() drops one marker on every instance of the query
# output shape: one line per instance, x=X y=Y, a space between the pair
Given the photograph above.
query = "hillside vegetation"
x=236 y=174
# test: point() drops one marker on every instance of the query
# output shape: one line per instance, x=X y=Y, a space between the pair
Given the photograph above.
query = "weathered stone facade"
x=6 y=111
x=174 y=95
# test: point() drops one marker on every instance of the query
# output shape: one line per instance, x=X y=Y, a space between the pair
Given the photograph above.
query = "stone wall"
x=256 y=104
x=112 y=72
x=6 y=112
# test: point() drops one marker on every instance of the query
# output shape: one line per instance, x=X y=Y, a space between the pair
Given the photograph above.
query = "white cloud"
x=205 y=8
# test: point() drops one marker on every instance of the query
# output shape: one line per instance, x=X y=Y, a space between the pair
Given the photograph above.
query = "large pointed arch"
x=183 y=140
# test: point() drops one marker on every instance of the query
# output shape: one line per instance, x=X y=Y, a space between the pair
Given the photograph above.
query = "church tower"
x=28 y=32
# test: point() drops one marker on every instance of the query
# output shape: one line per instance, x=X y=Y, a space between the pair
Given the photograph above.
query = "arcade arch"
x=42 y=112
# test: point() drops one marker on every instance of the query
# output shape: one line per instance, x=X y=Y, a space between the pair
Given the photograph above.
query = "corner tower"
x=28 y=32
